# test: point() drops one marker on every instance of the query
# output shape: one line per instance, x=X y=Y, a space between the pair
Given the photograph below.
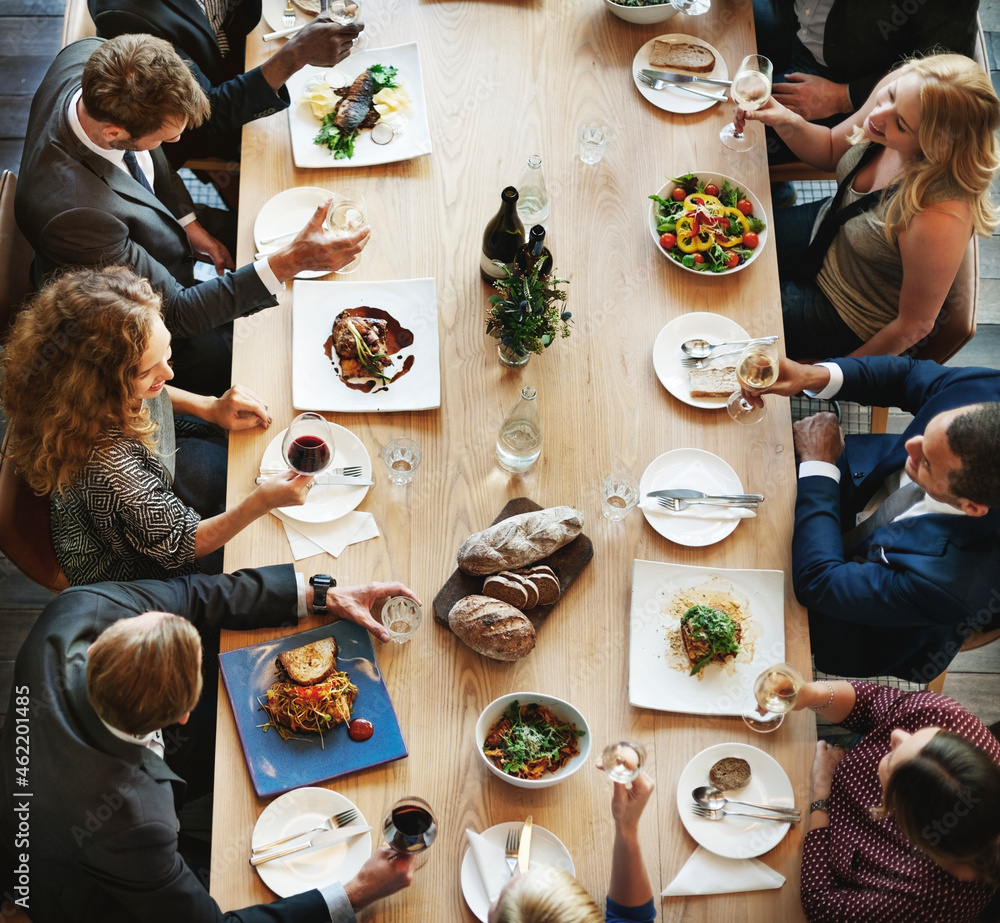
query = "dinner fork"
x=331 y=823
x=351 y=471
x=720 y=814
x=288 y=16
x=510 y=852
x=675 y=504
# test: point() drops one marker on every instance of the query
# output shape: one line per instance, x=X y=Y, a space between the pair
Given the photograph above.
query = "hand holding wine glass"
x=308 y=444
x=345 y=12
x=776 y=692
x=409 y=827
x=756 y=370
x=751 y=89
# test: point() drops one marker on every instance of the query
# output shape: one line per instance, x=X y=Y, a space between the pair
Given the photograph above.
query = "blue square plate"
x=277 y=765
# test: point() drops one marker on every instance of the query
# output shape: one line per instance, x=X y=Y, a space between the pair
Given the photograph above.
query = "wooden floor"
x=30 y=34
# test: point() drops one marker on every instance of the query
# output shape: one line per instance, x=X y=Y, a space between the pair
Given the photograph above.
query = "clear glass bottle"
x=520 y=441
x=533 y=204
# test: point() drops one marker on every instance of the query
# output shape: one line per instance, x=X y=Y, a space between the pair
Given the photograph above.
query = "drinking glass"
x=692 y=7
x=619 y=494
x=623 y=760
x=594 y=137
x=751 y=89
x=409 y=827
x=401 y=617
x=401 y=458
x=347 y=215
x=776 y=691
x=756 y=370
x=308 y=444
x=345 y=12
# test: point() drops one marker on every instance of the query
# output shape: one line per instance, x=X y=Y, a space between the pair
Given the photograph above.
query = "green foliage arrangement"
x=525 y=316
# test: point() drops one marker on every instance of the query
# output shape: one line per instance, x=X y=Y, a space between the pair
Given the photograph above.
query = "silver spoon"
x=697 y=348
x=712 y=798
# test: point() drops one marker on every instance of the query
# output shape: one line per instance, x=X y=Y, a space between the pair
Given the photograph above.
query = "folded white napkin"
x=309 y=538
x=489 y=859
x=698 y=511
x=707 y=873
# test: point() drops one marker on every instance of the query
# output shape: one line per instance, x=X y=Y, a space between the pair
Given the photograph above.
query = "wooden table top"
x=504 y=80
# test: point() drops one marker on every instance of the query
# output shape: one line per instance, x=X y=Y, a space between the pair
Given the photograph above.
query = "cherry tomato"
x=699 y=258
x=712 y=189
x=745 y=206
x=732 y=260
x=678 y=194
x=668 y=241
x=750 y=240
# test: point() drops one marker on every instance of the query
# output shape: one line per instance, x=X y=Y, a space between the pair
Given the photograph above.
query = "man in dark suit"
x=216 y=51
x=89 y=810
x=95 y=189
x=901 y=599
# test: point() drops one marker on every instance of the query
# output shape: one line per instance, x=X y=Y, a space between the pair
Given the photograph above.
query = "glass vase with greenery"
x=525 y=315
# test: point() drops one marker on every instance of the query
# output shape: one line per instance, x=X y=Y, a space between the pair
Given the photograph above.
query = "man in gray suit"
x=95 y=189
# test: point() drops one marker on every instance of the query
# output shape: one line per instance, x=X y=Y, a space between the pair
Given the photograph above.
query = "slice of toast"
x=713 y=382
x=310 y=664
x=682 y=56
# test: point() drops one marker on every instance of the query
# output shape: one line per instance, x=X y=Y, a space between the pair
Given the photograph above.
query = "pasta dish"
x=529 y=740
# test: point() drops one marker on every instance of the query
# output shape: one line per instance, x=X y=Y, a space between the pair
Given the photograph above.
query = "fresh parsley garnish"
x=333 y=138
x=714 y=628
x=532 y=738
x=384 y=76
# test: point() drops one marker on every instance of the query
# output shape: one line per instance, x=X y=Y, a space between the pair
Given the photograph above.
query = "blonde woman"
x=91 y=422
x=914 y=165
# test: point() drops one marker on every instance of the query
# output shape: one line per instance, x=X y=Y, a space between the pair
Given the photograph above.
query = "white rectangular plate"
x=315 y=382
x=415 y=139
x=652 y=683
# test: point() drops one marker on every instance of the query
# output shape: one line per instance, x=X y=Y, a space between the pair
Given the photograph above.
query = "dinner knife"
x=524 y=850
x=330 y=480
x=668 y=77
x=680 y=493
x=339 y=835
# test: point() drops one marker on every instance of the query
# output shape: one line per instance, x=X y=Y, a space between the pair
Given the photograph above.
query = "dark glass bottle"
x=533 y=253
x=502 y=238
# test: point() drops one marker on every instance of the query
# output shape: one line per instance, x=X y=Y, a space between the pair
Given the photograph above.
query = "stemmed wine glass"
x=751 y=89
x=776 y=691
x=308 y=444
x=756 y=370
x=347 y=215
x=409 y=827
x=623 y=759
x=345 y=12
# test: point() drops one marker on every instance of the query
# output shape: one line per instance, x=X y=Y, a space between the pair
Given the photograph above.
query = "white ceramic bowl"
x=494 y=711
x=718 y=179
x=643 y=14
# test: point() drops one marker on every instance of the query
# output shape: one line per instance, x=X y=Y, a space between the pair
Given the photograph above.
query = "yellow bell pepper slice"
x=736 y=215
x=708 y=202
x=687 y=240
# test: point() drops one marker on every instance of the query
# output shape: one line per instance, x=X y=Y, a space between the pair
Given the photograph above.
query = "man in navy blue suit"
x=900 y=600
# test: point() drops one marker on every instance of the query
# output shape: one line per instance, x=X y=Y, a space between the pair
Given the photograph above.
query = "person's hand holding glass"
x=751 y=89
x=776 y=692
x=756 y=370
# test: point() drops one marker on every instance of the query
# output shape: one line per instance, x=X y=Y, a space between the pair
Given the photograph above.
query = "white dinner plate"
x=413 y=141
x=300 y=810
x=654 y=683
x=737 y=837
x=546 y=849
x=330 y=502
x=667 y=353
x=695 y=469
x=316 y=383
x=671 y=99
x=287 y=213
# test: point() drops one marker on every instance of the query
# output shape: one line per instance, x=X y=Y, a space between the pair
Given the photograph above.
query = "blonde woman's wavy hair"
x=959 y=117
x=69 y=372
x=546 y=894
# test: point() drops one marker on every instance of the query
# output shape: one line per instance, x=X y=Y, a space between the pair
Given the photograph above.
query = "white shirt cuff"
x=300 y=586
x=268 y=277
x=820 y=468
x=340 y=907
x=834 y=385
x=187 y=219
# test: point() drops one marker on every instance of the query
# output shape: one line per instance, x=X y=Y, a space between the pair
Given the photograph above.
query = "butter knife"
x=321 y=839
x=330 y=480
x=524 y=850
x=685 y=78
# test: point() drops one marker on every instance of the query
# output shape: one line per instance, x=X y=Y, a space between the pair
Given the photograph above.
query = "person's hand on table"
x=811 y=96
x=323 y=42
x=385 y=873
x=239 y=408
x=284 y=489
x=818 y=438
x=314 y=248
x=355 y=603
x=208 y=248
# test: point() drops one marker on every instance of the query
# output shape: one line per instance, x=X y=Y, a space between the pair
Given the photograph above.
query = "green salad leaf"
x=333 y=138
x=532 y=738
x=714 y=628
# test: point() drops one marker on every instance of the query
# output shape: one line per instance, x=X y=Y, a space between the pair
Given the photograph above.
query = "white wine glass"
x=347 y=216
x=345 y=12
x=308 y=444
x=623 y=760
x=751 y=89
x=756 y=370
x=776 y=692
x=409 y=826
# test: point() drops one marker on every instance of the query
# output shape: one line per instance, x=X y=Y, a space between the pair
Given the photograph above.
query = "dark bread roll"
x=529 y=588
x=519 y=541
x=492 y=628
x=545 y=580
x=512 y=592
x=729 y=773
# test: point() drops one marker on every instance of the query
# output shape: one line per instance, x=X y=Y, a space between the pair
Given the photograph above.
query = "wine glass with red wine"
x=308 y=444
x=409 y=827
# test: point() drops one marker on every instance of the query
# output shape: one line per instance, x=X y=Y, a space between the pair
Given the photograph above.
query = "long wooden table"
x=504 y=80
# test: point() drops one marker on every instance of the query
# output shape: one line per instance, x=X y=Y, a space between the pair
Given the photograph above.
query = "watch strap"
x=821 y=804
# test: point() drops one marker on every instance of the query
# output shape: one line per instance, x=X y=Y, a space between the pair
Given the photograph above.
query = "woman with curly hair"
x=914 y=166
x=91 y=423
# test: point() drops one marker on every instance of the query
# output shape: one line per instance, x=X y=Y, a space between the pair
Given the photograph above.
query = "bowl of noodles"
x=532 y=740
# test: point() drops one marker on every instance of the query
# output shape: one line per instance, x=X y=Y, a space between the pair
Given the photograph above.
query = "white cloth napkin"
x=698 y=511
x=309 y=538
x=490 y=862
x=707 y=873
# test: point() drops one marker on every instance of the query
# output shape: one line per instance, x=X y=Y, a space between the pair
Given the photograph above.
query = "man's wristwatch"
x=821 y=804
x=320 y=584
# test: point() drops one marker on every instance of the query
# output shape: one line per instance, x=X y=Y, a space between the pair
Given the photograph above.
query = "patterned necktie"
x=216 y=12
x=136 y=170
x=894 y=505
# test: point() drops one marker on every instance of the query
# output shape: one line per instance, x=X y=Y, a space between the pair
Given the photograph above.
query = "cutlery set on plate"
x=332 y=477
x=679 y=498
x=336 y=829
x=518 y=848
x=660 y=80
x=699 y=353
x=711 y=804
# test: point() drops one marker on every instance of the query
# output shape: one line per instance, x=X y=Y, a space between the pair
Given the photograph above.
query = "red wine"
x=308 y=454
x=410 y=828
x=412 y=821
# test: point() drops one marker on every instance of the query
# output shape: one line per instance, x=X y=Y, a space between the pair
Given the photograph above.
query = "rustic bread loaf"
x=729 y=773
x=492 y=628
x=519 y=541
x=512 y=592
x=685 y=56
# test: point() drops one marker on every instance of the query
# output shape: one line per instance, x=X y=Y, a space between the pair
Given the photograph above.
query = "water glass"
x=623 y=760
x=619 y=494
x=401 y=458
x=594 y=136
x=401 y=617
x=346 y=216
x=692 y=7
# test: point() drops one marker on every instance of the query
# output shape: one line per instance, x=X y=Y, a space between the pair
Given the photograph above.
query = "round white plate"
x=695 y=469
x=300 y=810
x=670 y=99
x=325 y=503
x=667 y=353
x=546 y=849
x=272 y=11
x=289 y=211
x=736 y=837
x=718 y=179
